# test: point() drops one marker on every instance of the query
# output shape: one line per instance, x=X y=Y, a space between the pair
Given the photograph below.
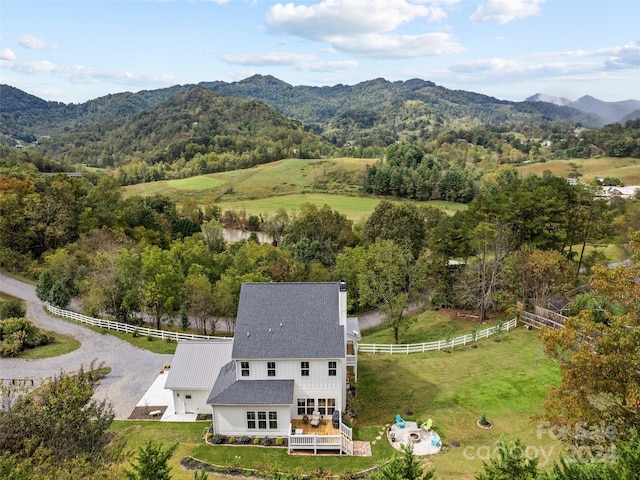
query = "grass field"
x=284 y=184
x=507 y=381
x=626 y=169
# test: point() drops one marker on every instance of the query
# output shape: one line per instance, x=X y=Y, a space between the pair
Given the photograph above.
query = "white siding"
x=196 y=404
x=232 y=420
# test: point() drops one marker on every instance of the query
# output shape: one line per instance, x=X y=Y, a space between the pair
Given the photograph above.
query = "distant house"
x=293 y=353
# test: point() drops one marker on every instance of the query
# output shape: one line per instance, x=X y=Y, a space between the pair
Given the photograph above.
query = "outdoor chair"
x=315 y=419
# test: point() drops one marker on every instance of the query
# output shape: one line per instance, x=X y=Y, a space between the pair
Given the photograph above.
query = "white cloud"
x=626 y=56
x=364 y=27
x=399 y=46
x=331 y=66
x=299 y=61
x=331 y=18
x=7 y=54
x=34 y=43
x=80 y=73
x=268 y=59
x=505 y=11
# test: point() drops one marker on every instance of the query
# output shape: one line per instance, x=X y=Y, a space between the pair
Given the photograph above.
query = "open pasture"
x=626 y=169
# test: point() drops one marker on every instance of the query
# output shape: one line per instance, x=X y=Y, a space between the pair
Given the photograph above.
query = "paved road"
x=132 y=369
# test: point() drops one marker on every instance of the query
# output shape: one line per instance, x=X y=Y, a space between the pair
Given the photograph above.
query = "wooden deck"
x=325 y=427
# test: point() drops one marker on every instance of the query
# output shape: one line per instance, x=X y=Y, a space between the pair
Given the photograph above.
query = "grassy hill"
x=626 y=169
x=282 y=184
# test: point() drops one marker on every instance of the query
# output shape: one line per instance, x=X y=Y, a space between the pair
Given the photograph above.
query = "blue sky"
x=73 y=51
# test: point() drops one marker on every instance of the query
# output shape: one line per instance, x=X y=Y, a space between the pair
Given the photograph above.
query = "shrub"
x=245 y=440
x=232 y=439
x=279 y=441
x=135 y=333
x=256 y=441
x=267 y=442
x=12 y=309
x=149 y=338
x=218 y=439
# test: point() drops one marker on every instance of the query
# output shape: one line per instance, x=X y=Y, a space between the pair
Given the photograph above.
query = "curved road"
x=132 y=369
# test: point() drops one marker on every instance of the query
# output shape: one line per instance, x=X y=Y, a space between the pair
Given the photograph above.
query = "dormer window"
x=271 y=369
x=333 y=369
x=304 y=369
x=244 y=369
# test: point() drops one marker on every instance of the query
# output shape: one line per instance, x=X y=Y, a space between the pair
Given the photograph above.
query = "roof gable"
x=288 y=320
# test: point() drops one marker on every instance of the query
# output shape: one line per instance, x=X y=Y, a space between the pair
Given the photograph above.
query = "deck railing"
x=437 y=345
x=315 y=442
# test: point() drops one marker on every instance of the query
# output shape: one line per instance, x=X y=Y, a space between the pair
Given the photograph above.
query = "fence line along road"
x=362 y=347
x=126 y=328
x=438 y=345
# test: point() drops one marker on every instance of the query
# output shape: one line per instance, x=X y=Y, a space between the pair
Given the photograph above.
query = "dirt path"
x=132 y=369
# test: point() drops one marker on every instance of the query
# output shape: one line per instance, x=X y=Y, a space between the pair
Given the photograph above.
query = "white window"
x=302 y=403
x=244 y=369
x=333 y=369
x=262 y=423
x=304 y=369
x=273 y=420
x=251 y=420
x=326 y=406
x=271 y=369
x=311 y=405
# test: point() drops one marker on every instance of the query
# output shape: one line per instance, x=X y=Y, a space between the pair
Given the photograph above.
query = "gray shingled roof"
x=228 y=391
x=288 y=320
x=196 y=364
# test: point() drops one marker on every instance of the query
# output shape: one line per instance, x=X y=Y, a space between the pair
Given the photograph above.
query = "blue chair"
x=399 y=421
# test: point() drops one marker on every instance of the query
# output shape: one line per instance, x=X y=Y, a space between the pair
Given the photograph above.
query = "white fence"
x=439 y=345
x=126 y=328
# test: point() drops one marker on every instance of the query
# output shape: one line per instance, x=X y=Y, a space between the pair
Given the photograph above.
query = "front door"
x=188 y=404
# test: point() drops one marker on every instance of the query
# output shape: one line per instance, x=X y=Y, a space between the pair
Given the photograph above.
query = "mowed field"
x=626 y=169
x=283 y=184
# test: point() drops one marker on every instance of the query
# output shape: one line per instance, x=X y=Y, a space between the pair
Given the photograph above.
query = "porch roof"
x=229 y=391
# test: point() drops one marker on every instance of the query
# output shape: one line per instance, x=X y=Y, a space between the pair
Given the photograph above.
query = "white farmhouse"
x=287 y=374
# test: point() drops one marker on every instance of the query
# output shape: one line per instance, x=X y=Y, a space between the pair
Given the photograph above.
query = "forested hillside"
x=224 y=133
x=376 y=112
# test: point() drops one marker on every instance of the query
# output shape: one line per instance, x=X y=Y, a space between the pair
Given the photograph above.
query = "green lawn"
x=428 y=326
x=60 y=345
x=507 y=381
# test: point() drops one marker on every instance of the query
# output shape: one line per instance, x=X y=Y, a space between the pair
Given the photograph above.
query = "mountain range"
x=609 y=112
x=375 y=112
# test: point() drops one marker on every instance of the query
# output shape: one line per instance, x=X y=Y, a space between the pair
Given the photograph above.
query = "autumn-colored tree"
x=540 y=274
x=600 y=361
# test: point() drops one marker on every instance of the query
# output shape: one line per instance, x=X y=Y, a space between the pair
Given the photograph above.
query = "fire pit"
x=414 y=437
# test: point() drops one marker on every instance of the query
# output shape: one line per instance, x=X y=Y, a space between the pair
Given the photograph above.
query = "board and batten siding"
x=231 y=420
x=196 y=404
x=290 y=369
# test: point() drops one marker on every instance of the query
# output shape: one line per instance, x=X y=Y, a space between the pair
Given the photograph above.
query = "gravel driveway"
x=132 y=369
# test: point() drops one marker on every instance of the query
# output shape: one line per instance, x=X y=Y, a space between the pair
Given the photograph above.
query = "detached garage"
x=194 y=369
